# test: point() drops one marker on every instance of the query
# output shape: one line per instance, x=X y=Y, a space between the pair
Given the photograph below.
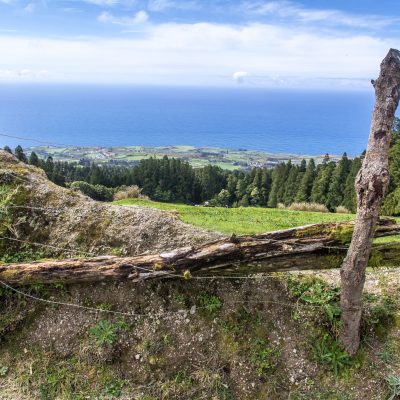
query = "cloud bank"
x=201 y=54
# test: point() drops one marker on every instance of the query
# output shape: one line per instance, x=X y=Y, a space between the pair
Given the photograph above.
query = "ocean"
x=277 y=121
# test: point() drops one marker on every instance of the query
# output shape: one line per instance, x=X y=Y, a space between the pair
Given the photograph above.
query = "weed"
x=328 y=352
x=263 y=357
x=210 y=302
x=113 y=389
x=239 y=321
x=24 y=253
x=387 y=353
x=105 y=332
x=3 y=371
x=323 y=297
x=183 y=379
x=105 y=306
x=393 y=383
x=381 y=313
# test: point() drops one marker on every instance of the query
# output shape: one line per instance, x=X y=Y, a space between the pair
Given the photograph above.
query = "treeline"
x=172 y=180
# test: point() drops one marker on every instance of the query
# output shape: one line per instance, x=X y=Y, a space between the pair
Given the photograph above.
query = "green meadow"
x=242 y=220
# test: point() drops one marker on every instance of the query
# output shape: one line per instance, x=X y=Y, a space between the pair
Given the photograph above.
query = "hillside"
x=265 y=336
x=37 y=210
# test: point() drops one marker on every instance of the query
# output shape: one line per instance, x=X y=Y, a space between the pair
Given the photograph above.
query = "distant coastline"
x=276 y=122
x=226 y=158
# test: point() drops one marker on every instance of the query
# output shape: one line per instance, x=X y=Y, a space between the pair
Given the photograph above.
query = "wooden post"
x=371 y=185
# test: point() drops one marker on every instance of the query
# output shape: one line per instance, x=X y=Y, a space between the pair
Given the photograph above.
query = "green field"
x=229 y=159
x=243 y=220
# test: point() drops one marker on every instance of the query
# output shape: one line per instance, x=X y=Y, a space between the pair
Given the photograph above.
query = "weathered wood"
x=307 y=247
x=371 y=185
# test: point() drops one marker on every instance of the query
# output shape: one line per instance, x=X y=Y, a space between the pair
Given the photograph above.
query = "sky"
x=220 y=43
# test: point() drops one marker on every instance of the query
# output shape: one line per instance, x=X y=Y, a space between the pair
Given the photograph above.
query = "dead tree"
x=371 y=185
x=309 y=247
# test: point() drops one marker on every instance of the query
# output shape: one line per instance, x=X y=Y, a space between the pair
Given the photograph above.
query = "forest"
x=172 y=180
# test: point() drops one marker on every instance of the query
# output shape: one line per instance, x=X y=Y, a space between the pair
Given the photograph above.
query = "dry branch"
x=308 y=247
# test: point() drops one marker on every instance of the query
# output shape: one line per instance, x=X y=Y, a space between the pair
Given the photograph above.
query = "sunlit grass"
x=243 y=220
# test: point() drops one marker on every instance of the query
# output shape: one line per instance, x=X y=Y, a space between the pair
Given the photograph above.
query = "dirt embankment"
x=37 y=210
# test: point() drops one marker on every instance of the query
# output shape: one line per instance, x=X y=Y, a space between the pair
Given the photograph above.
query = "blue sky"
x=289 y=44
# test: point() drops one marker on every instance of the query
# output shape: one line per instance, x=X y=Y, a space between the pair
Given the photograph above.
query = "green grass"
x=243 y=220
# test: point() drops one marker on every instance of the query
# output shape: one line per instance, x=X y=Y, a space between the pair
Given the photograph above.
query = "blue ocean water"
x=278 y=121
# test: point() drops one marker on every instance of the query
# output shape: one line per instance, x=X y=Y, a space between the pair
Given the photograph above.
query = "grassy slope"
x=244 y=220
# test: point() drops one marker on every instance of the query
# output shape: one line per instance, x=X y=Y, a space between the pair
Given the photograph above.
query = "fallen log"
x=308 y=247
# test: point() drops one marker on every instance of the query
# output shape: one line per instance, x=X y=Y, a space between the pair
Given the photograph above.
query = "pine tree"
x=7 y=149
x=34 y=159
x=306 y=183
x=278 y=178
x=338 y=182
x=19 y=153
x=292 y=186
x=266 y=181
x=349 y=195
x=319 y=191
x=283 y=182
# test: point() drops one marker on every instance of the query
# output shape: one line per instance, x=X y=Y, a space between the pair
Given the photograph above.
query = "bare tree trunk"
x=309 y=247
x=371 y=185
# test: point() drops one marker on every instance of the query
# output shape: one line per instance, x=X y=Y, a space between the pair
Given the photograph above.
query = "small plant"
x=113 y=389
x=393 y=383
x=105 y=332
x=382 y=312
x=210 y=302
x=3 y=371
x=183 y=379
x=323 y=297
x=263 y=357
x=386 y=355
x=24 y=253
x=328 y=352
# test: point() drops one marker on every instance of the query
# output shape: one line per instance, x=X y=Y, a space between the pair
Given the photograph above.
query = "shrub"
x=281 y=206
x=95 y=192
x=342 y=210
x=128 y=192
x=314 y=207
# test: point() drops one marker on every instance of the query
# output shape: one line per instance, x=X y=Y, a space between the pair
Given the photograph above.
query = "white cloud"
x=102 y=3
x=162 y=5
x=299 y=13
x=111 y=3
x=25 y=73
x=141 y=17
x=203 y=54
x=29 y=8
x=239 y=76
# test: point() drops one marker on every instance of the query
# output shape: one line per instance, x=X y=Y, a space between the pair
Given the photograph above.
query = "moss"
x=339 y=232
x=311 y=231
x=8 y=273
x=342 y=233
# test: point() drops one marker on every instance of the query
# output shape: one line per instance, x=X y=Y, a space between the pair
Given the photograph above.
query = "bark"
x=371 y=185
x=308 y=247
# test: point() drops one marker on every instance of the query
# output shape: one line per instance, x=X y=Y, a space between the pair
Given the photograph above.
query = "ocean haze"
x=277 y=121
